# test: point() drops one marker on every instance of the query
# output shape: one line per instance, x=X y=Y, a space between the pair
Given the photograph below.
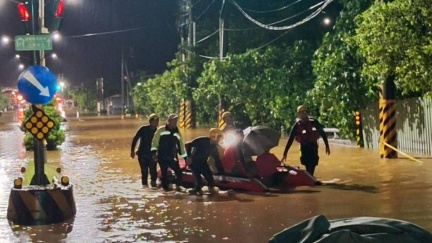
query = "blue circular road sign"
x=37 y=84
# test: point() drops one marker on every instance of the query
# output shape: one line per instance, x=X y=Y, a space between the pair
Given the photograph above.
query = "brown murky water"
x=112 y=206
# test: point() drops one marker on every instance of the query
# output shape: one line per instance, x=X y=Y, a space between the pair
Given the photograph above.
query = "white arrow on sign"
x=44 y=91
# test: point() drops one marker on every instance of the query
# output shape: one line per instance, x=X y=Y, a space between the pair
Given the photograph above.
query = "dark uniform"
x=199 y=150
x=145 y=135
x=168 y=142
x=307 y=134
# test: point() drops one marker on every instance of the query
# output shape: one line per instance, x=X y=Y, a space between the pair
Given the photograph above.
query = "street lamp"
x=5 y=40
x=327 y=21
x=62 y=85
x=56 y=36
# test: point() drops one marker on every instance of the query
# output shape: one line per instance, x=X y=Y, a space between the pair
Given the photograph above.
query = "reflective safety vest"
x=306 y=131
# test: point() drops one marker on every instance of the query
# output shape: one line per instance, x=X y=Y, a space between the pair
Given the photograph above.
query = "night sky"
x=94 y=35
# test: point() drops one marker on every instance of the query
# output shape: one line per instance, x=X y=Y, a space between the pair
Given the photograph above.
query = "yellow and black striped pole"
x=188 y=115
x=182 y=114
x=387 y=117
x=221 y=110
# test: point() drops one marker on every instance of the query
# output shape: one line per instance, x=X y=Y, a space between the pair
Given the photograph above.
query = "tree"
x=259 y=87
x=162 y=94
x=396 y=40
x=4 y=101
x=85 y=98
x=337 y=68
x=265 y=74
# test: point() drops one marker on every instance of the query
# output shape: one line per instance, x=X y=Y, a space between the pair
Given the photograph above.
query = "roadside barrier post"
x=188 y=123
x=182 y=114
x=221 y=110
x=387 y=118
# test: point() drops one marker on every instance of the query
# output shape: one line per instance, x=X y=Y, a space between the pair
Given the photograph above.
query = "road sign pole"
x=39 y=178
x=43 y=30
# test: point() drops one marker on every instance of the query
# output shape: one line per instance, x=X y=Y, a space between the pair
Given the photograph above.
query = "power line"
x=279 y=21
x=205 y=10
x=266 y=26
x=268 y=43
x=205 y=38
x=298 y=14
x=193 y=5
x=273 y=10
x=107 y=33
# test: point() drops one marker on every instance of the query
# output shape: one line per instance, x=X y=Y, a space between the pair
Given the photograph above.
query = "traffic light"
x=53 y=11
x=25 y=16
x=24 y=13
x=358 y=129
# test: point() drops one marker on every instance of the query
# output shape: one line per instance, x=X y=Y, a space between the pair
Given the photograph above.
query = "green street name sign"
x=33 y=43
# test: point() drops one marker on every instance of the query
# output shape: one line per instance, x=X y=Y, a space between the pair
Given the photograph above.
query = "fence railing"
x=413 y=125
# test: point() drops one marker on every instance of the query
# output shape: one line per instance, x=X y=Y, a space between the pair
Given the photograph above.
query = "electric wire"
x=273 y=10
x=250 y=50
x=106 y=33
x=245 y=29
x=298 y=14
x=194 y=4
x=268 y=43
x=266 y=26
x=205 y=10
x=323 y=4
x=279 y=21
x=205 y=38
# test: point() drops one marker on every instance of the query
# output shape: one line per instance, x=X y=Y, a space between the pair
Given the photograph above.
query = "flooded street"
x=113 y=207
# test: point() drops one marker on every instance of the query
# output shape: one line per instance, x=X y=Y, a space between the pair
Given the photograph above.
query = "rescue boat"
x=288 y=179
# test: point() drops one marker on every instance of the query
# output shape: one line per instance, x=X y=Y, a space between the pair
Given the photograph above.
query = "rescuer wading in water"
x=307 y=131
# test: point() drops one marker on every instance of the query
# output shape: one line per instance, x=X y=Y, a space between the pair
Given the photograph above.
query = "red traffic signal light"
x=59 y=9
x=25 y=16
x=53 y=11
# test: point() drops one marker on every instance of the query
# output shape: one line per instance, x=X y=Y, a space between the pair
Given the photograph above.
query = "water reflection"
x=52 y=233
x=112 y=205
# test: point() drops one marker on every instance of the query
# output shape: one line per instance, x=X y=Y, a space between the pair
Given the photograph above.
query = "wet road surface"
x=112 y=206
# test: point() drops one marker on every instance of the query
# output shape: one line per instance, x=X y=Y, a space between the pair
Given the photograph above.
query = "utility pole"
x=221 y=32
x=189 y=116
x=221 y=105
x=122 y=84
x=387 y=113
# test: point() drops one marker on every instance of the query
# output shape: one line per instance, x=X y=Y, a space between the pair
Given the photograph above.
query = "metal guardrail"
x=333 y=131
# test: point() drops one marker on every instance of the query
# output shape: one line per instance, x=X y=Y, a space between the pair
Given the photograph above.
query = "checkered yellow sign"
x=39 y=124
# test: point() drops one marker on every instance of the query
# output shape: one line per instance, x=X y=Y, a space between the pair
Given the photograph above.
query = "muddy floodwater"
x=113 y=207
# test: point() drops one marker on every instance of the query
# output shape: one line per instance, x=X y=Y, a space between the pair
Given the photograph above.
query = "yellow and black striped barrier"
x=182 y=113
x=387 y=118
x=221 y=110
x=188 y=115
x=36 y=205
